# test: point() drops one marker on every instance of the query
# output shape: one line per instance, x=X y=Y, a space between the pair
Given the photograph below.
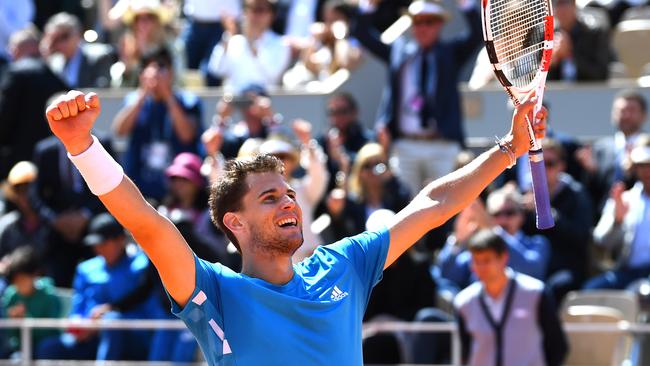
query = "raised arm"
x=446 y=196
x=71 y=118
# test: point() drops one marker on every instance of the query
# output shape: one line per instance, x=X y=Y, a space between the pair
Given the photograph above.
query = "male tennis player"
x=273 y=313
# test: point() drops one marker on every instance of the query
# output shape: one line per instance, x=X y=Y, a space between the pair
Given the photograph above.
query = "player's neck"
x=277 y=270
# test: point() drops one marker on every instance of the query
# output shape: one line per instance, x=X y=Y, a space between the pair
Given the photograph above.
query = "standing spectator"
x=311 y=187
x=148 y=28
x=572 y=211
x=345 y=136
x=226 y=137
x=160 y=122
x=205 y=28
x=420 y=110
x=507 y=318
x=257 y=55
x=29 y=296
x=22 y=226
x=66 y=204
x=14 y=16
x=505 y=213
x=581 y=45
x=80 y=65
x=110 y=276
x=24 y=90
x=604 y=161
x=625 y=225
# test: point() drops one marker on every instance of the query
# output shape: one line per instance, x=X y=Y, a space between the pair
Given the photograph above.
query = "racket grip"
x=540 y=190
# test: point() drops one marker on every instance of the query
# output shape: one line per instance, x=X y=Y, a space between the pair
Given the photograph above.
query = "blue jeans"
x=617 y=279
x=200 y=39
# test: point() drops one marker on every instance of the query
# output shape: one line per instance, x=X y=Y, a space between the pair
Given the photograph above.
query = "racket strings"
x=517 y=27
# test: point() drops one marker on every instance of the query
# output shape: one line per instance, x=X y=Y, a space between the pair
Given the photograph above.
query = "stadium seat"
x=593 y=348
x=630 y=40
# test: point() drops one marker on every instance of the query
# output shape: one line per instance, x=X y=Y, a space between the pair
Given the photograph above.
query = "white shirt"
x=211 y=10
x=240 y=67
x=300 y=18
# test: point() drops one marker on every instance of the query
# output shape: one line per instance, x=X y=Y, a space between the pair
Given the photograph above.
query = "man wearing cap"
x=105 y=279
x=420 y=110
x=22 y=226
x=625 y=224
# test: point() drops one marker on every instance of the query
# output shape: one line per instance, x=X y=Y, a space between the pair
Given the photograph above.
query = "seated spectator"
x=506 y=316
x=27 y=85
x=28 y=296
x=79 y=65
x=527 y=254
x=371 y=186
x=309 y=188
x=187 y=187
x=329 y=49
x=256 y=110
x=624 y=225
x=105 y=279
x=22 y=226
x=64 y=201
x=148 y=28
x=572 y=211
x=160 y=121
x=581 y=45
x=256 y=55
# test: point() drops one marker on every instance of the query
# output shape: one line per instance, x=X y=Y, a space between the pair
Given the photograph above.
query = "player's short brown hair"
x=227 y=193
x=487 y=240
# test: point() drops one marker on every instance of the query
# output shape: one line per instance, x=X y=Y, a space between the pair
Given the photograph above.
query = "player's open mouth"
x=288 y=222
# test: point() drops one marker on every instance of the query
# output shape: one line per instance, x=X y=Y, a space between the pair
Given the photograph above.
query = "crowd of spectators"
x=54 y=234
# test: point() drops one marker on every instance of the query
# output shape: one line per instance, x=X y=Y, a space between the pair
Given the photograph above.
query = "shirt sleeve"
x=367 y=252
x=205 y=290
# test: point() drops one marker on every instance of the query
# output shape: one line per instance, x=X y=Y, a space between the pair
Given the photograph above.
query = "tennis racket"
x=518 y=38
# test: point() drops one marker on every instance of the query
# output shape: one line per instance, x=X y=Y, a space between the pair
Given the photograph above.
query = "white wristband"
x=100 y=171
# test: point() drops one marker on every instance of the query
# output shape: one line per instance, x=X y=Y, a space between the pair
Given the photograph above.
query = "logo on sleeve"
x=337 y=294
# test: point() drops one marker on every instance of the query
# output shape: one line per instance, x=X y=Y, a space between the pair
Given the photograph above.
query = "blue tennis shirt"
x=314 y=319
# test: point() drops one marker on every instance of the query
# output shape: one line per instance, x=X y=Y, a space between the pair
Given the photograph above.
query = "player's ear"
x=233 y=222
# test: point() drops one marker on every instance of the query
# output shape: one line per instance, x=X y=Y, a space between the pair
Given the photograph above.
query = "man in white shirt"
x=254 y=56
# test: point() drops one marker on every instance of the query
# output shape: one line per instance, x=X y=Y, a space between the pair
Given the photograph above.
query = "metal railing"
x=369 y=329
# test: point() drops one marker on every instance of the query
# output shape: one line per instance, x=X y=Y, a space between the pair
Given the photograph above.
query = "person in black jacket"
x=27 y=85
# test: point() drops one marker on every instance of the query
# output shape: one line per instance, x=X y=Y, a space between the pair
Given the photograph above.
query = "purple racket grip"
x=540 y=189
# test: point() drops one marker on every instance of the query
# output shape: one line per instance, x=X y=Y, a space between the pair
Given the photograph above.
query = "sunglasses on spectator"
x=509 y=212
x=550 y=163
x=371 y=164
x=338 y=111
x=259 y=9
x=62 y=37
x=148 y=17
x=427 y=21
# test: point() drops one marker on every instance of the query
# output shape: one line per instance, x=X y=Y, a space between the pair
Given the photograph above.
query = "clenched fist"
x=71 y=118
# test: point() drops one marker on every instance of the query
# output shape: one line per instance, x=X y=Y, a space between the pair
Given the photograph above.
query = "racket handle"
x=540 y=190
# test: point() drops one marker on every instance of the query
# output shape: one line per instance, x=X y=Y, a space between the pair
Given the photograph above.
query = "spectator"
x=527 y=254
x=257 y=121
x=161 y=122
x=371 y=186
x=24 y=90
x=187 y=187
x=28 y=296
x=329 y=48
x=420 y=110
x=311 y=187
x=507 y=318
x=66 y=204
x=624 y=225
x=14 y=16
x=80 y=65
x=344 y=137
x=23 y=226
x=581 y=45
x=572 y=211
x=294 y=18
x=604 y=161
x=205 y=28
x=147 y=30
x=257 y=55
x=110 y=276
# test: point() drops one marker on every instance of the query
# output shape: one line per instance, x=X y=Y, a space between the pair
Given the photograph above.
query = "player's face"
x=488 y=265
x=426 y=29
x=628 y=115
x=271 y=215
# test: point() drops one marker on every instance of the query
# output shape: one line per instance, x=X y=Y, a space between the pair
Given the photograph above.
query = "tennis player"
x=273 y=312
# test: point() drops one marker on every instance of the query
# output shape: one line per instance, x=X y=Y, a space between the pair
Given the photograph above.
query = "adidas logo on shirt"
x=337 y=294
